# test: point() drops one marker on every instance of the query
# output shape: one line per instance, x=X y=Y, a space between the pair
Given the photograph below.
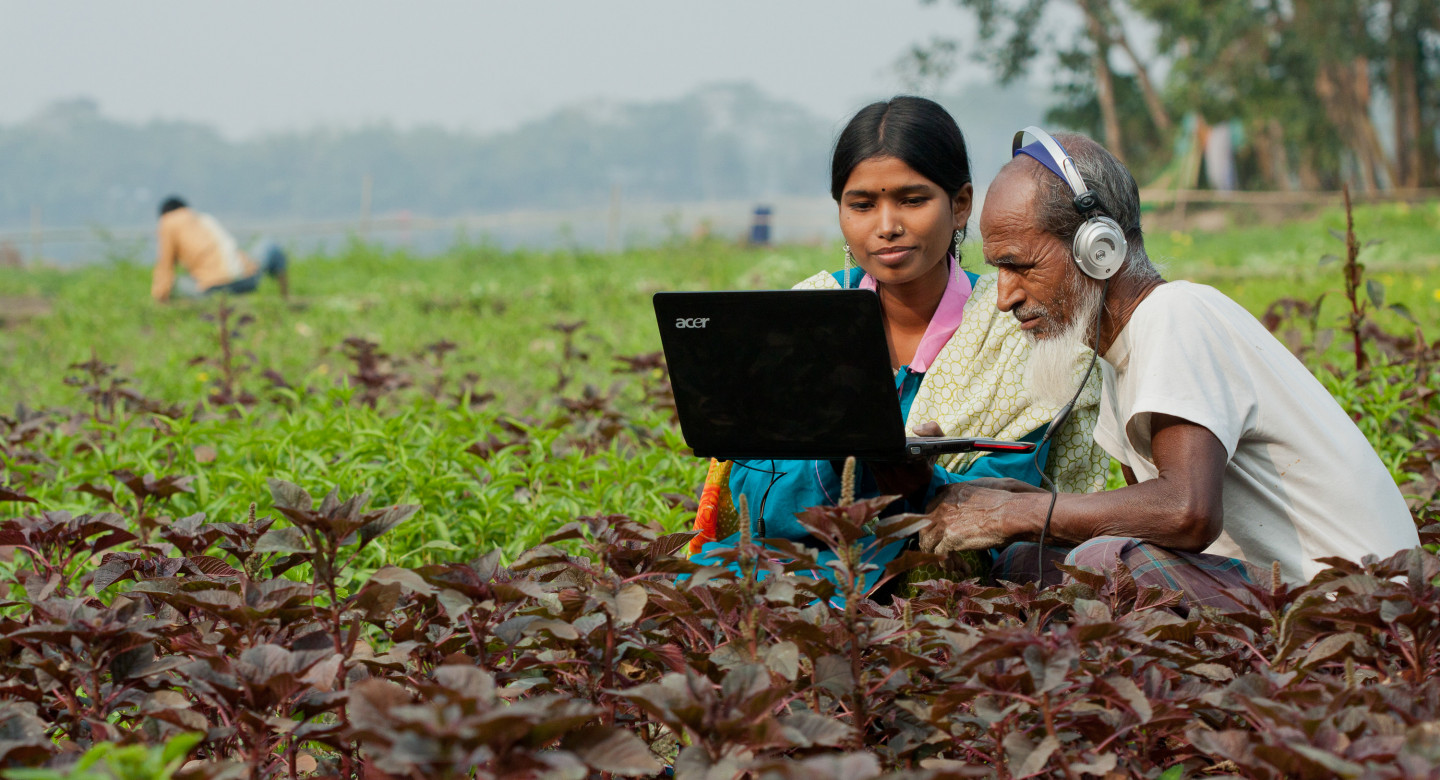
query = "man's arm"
x=1180 y=509
x=164 y=277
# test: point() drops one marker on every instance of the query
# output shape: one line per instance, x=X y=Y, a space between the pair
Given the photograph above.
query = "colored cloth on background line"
x=1220 y=145
x=976 y=387
x=973 y=385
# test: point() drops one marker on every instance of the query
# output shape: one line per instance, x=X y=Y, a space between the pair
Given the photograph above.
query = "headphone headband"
x=1099 y=246
x=1055 y=158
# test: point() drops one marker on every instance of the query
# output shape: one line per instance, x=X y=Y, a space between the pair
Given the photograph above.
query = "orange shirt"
x=202 y=247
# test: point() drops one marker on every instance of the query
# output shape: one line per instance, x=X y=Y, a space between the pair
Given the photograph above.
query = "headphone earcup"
x=1100 y=247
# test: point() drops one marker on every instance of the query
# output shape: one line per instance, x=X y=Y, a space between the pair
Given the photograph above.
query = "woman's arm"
x=1000 y=465
x=909 y=479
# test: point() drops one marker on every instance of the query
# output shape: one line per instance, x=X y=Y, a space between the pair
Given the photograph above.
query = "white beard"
x=1057 y=361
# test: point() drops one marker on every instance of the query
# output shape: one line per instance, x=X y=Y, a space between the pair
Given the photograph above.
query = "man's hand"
x=968 y=515
x=1181 y=508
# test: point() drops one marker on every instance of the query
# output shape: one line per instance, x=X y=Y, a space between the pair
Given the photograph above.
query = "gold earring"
x=849 y=260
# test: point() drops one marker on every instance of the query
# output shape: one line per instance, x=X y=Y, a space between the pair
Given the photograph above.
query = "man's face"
x=1037 y=280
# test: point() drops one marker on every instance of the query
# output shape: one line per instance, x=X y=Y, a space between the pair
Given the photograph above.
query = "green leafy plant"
x=171 y=578
x=109 y=761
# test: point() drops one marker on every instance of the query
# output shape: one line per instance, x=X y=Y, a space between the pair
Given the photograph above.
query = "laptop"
x=790 y=375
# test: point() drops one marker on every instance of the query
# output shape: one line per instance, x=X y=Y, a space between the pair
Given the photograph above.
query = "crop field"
x=489 y=588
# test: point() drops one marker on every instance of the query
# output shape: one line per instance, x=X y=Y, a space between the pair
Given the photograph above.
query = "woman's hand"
x=907 y=478
x=993 y=483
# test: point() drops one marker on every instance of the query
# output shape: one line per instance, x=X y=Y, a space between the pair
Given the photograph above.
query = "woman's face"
x=899 y=224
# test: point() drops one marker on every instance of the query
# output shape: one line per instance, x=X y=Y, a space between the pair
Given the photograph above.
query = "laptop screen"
x=792 y=374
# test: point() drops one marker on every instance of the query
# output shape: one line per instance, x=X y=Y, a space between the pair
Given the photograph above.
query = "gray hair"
x=1119 y=199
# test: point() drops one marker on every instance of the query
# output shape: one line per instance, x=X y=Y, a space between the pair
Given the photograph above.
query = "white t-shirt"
x=1302 y=482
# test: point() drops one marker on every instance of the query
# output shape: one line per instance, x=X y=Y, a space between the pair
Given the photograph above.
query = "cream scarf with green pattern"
x=976 y=387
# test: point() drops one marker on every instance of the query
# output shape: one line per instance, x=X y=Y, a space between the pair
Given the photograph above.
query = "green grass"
x=1256 y=265
x=1407 y=232
x=498 y=308
x=413 y=453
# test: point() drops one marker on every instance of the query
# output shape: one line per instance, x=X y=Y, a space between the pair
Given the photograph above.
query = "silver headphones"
x=1099 y=246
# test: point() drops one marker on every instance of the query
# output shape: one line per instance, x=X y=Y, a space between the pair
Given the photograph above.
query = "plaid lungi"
x=1212 y=580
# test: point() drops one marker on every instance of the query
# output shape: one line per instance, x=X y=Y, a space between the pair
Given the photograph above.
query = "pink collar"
x=945 y=322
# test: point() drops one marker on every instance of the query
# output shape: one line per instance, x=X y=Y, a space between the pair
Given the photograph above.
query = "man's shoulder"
x=1181 y=292
x=1187 y=322
x=1180 y=301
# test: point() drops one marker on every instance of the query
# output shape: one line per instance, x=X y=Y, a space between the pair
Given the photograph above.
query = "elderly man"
x=1234 y=455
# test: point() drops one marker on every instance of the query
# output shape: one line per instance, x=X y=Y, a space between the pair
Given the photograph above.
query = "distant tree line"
x=74 y=166
x=1305 y=80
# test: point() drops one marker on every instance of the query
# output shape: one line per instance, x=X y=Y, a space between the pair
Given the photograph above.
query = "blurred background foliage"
x=1319 y=92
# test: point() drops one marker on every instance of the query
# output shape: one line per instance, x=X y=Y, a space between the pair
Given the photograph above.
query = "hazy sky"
x=263 y=65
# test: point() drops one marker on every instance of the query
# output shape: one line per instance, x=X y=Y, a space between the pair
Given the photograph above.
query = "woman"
x=901 y=177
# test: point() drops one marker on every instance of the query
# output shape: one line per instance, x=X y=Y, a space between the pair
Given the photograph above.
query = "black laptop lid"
x=793 y=374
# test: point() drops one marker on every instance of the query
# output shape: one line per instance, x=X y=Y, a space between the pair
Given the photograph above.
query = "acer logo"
x=692 y=322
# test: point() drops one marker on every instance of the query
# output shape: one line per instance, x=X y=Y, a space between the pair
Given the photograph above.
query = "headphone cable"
x=1055 y=425
x=758 y=522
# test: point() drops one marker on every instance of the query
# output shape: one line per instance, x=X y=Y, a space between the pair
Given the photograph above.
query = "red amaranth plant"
x=600 y=651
